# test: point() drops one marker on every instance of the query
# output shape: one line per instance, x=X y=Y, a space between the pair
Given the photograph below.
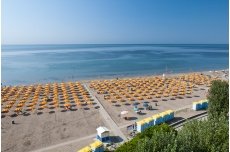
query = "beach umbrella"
x=181 y=93
x=174 y=94
x=122 y=100
x=159 y=92
x=19 y=105
x=132 y=99
x=140 y=98
x=165 y=95
x=145 y=105
x=144 y=94
x=5 y=110
x=17 y=109
x=135 y=103
x=189 y=92
x=135 y=108
x=158 y=96
x=12 y=102
x=127 y=96
x=30 y=105
x=149 y=97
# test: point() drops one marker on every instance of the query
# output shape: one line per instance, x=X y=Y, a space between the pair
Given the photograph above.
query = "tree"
x=143 y=140
x=218 y=97
x=209 y=135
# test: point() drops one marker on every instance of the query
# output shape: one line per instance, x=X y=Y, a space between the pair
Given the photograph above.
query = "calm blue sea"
x=26 y=64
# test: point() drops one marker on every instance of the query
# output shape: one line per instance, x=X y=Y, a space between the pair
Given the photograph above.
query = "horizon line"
x=118 y=44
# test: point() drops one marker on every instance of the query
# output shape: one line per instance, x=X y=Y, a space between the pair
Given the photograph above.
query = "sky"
x=114 y=21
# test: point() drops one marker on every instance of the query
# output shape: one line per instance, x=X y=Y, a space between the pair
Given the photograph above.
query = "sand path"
x=110 y=122
x=65 y=143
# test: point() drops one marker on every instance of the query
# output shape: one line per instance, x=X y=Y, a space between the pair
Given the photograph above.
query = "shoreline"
x=151 y=75
x=125 y=76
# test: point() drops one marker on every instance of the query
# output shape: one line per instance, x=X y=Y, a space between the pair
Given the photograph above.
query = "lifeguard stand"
x=103 y=134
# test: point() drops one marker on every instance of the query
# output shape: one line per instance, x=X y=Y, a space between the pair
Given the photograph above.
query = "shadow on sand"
x=117 y=105
x=39 y=113
x=26 y=114
x=97 y=107
x=115 y=139
x=75 y=109
x=132 y=118
x=14 y=115
x=51 y=112
x=188 y=96
x=153 y=109
x=86 y=108
x=142 y=113
x=175 y=120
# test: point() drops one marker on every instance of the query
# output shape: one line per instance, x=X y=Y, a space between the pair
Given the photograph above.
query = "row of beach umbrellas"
x=33 y=96
x=147 y=88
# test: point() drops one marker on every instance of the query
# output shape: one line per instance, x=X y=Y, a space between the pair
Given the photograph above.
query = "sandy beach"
x=64 y=116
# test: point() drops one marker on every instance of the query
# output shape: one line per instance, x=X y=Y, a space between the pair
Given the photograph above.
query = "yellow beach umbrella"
x=158 y=96
x=17 y=110
x=5 y=110
x=149 y=97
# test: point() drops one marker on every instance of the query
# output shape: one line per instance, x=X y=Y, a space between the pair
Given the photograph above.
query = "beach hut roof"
x=157 y=116
x=163 y=114
x=96 y=144
x=204 y=100
x=85 y=149
x=141 y=122
x=154 y=116
x=101 y=130
x=169 y=111
x=200 y=102
x=148 y=119
x=195 y=102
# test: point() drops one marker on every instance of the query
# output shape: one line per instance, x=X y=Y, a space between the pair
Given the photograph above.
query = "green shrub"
x=218 y=97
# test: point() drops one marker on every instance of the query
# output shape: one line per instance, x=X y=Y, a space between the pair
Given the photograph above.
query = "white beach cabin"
x=103 y=134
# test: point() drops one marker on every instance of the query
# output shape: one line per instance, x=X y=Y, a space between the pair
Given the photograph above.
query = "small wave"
x=109 y=49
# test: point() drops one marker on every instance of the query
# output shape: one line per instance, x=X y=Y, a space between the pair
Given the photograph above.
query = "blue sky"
x=114 y=21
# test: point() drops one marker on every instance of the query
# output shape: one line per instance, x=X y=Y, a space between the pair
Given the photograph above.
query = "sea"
x=33 y=64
